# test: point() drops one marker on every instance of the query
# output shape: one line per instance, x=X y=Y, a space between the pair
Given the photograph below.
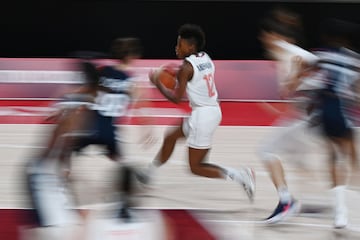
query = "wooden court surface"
x=220 y=205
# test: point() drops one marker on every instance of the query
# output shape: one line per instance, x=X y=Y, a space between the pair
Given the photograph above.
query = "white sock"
x=152 y=167
x=284 y=194
x=339 y=198
x=231 y=174
x=226 y=173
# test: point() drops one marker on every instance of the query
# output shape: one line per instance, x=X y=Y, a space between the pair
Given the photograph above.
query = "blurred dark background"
x=58 y=28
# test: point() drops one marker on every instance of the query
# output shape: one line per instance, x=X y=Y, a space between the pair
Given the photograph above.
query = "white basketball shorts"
x=200 y=127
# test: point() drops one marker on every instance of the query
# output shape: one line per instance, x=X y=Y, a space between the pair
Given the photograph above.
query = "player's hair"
x=334 y=27
x=285 y=22
x=194 y=34
x=335 y=32
x=91 y=74
x=272 y=25
x=124 y=47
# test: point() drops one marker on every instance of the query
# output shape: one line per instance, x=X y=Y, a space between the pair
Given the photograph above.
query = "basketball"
x=167 y=78
x=166 y=75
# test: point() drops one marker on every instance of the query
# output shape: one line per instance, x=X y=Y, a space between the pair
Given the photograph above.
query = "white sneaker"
x=143 y=177
x=249 y=185
x=341 y=219
x=246 y=177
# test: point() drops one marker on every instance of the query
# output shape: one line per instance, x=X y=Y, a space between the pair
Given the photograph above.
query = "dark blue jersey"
x=340 y=68
x=340 y=71
x=113 y=96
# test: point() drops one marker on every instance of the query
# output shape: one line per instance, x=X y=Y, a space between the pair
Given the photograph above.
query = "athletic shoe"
x=283 y=211
x=246 y=178
x=124 y=214
x=143 y=177
x=341 y=218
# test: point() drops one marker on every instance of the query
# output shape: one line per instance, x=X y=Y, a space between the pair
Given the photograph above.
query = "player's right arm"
x=184 y=74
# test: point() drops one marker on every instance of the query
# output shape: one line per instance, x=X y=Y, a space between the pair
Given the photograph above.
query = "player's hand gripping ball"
x=165 y=75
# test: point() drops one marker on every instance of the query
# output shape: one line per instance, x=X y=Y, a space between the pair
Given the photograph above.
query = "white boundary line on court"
x=302 y=224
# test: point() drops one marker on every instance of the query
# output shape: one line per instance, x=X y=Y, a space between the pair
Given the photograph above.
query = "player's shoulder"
x=296 y=50
x=103 y=68
x=113 y=71
x=198 y=57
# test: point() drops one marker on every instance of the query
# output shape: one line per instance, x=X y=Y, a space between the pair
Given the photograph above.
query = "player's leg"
x=107 y=135
x=339 y=133
x=287 y=205
x=53 y=205
x=200 y=129
x=125 y=188
x=125 y=176
x=48 y=191
x=198 y=166
x=354 y=153
x=100 y=130
x=72 y=124
x=163 y=154
x=62 y=125
x=49 y=195
x=201 y=168
x=269 y=153
x=339 y=174
x=168 y=145
x=68 y=117
x=75 y=136
x=340 y=152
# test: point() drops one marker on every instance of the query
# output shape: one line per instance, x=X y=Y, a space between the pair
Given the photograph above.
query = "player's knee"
x=203 y=170
x=265 y=151
x=195 y=169
x=339 y=156
x=267 y=156
x=170 y=138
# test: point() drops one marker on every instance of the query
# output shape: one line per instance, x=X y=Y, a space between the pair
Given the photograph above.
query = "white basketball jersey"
x=201 y=89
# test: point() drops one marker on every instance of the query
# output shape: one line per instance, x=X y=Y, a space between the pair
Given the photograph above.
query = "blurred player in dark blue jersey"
x=339 y=65
x=113 y=96
x=85 y=117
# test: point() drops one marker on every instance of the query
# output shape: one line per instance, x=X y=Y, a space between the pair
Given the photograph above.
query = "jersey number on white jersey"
x=209 y=78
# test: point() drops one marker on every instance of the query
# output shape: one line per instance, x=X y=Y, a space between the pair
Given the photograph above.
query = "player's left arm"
x=299 y=69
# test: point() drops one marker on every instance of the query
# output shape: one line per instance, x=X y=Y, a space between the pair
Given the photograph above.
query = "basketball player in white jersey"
x=196 y=78
x=294 y=75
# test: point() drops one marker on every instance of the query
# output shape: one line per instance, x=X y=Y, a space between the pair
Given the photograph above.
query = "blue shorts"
x=333 y=119
x=102 y=132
